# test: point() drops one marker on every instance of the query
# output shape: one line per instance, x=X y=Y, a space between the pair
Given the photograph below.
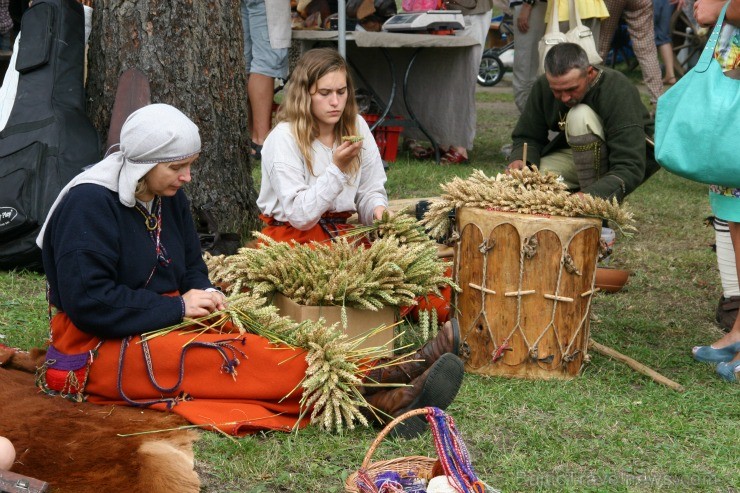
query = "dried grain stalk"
x=524 y=191
x=330 y=387
x=391 y=272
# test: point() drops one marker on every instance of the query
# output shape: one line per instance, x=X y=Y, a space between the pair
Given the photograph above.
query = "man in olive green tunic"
x=586 y=124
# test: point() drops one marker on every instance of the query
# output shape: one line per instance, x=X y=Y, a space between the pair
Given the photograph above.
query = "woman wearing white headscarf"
x=93 y=239
x=122 y=257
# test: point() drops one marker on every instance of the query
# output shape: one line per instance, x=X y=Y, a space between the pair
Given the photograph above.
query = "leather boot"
x=436 y=387
x=410 y=367
x=590 y=157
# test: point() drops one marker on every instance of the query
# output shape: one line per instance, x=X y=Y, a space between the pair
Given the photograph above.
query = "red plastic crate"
x=386 y=138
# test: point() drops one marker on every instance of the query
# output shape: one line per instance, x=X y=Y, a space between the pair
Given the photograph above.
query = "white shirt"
x=289 y=193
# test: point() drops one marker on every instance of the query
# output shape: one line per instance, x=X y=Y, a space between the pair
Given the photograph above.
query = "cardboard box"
x=358 y=321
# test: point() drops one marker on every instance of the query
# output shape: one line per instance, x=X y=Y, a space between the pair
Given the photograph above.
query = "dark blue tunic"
x=98 y=256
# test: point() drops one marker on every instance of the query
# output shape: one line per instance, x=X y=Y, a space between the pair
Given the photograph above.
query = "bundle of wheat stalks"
x=400 y=265
x=331 y=384
x=525 y=191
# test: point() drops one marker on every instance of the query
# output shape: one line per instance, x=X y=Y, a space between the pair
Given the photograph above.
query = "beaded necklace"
x=153 y=223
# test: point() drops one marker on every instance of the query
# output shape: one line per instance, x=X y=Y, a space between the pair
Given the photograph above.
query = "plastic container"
x=386 y=137
x=608 y=237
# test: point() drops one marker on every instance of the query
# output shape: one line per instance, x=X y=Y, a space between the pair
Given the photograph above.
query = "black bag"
x=360 y=9
x=212 y=240
x=385 y=8
x=48 y=138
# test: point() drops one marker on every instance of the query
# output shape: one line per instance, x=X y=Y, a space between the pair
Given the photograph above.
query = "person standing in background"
x=266 y=28
x=529 y=27
x=725 y=202
x=663 y=10
x=477 y=17
x=639 y=17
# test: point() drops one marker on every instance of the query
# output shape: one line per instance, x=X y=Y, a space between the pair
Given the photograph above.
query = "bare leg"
x=250 y=118
x=260 y=92
x=666 y=54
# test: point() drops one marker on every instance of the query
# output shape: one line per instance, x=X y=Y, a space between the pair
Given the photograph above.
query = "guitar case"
x=48 y=138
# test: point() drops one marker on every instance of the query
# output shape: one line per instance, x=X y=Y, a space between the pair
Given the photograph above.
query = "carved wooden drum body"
x=527 y=283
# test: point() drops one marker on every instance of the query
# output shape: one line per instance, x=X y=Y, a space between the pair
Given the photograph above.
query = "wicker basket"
x=421 y=466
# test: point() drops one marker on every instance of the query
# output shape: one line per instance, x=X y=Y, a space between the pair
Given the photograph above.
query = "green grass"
x=24 y=320
x=609 y=430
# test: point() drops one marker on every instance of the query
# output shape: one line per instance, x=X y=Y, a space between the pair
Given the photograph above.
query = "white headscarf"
x=157 y=133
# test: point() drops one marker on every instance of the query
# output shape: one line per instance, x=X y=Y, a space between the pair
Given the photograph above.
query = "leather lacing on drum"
x=528 y=251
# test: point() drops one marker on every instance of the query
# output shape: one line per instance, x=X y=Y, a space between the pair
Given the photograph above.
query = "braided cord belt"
x=230 y=363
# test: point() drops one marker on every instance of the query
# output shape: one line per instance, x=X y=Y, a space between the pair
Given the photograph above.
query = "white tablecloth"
x=441 y=85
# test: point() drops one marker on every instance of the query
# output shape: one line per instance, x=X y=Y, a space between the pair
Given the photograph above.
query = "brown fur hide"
x=75 y=447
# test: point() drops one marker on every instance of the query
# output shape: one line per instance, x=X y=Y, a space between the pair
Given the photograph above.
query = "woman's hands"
x=379 y=210
x=345 y=154
x=199 y=303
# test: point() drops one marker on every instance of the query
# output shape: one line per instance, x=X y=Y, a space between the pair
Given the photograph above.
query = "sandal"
x=257 y=151
x=729 y=371
x=453 y=157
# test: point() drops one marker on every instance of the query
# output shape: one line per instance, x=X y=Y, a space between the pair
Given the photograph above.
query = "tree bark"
x=192 y=53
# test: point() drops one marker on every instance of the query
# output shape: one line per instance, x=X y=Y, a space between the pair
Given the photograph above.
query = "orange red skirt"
x=332 y=224
x=237 y=383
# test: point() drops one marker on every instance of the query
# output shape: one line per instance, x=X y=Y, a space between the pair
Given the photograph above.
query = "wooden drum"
x=527 y=283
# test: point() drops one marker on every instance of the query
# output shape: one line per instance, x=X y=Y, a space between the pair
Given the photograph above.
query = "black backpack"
x=48 y=138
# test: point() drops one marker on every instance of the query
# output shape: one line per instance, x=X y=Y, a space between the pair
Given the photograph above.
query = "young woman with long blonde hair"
x=320 y=164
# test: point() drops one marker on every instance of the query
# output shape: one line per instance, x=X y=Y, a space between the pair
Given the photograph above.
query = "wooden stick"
x=509 y=294
x=444 y=251
x=481 y=288
x=639 y=367
x=524 y=154
x=558 y=298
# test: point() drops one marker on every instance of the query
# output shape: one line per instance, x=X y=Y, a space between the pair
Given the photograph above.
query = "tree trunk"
x=192 y=53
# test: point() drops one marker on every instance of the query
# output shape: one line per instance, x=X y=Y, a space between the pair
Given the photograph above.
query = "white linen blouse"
x=290 y=193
